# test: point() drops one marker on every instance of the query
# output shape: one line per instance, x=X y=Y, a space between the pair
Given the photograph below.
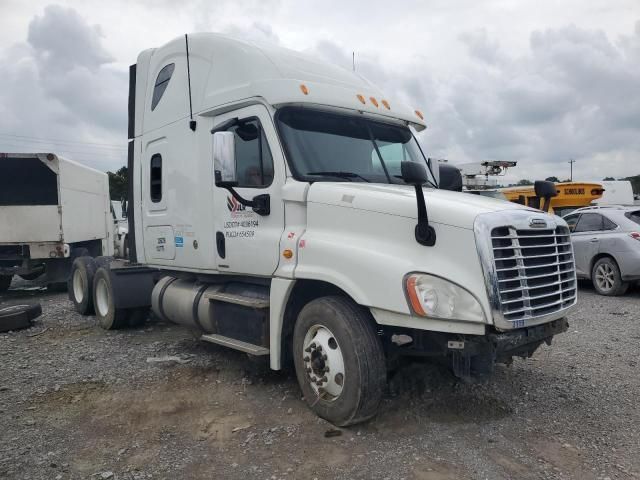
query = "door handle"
x=220 y=245
x=594 y=240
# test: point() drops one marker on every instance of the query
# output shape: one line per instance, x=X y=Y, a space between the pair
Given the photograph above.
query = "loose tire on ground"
x=108 y=316
x=15 y=317
x=5 y=282
x=607 y=279
x=80 y=284
x=351 y=390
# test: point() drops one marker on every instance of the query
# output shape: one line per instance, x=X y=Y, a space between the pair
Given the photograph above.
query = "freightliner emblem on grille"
x=538 y=223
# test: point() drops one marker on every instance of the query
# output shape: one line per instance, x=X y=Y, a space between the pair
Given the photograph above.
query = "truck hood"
x=450 y=208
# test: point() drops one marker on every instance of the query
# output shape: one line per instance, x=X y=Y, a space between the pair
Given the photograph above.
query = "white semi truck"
x=282 y=206
x=52 y=210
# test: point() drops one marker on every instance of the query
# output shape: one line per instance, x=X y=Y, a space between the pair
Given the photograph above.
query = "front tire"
x=339 y=360
x=607 y=279
x=108 y=316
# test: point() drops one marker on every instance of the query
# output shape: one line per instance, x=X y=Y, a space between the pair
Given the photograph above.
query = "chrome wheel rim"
x=78 y=286
x=323 y=363
x=102 y=297
x=605 y=277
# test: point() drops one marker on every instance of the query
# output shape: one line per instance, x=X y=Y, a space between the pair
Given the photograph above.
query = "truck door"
x=586 y=238
x=246 y=242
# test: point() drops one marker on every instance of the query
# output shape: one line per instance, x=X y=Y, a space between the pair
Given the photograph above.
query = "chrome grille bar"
x=520 y=293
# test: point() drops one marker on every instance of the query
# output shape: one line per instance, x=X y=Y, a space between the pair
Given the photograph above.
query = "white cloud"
x=537 y=83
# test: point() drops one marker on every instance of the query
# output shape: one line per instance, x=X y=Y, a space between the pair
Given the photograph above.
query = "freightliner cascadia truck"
x=282 y=206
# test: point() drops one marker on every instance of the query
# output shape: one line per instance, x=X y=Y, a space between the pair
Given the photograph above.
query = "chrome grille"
x=535 y=272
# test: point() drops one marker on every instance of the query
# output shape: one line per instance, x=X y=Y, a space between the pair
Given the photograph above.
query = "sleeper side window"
x=155 y=178
x=254 y=163
x=162 y=81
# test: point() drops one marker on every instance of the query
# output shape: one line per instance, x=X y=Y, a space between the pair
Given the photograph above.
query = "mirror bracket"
x=416 y=175
x=425 y=233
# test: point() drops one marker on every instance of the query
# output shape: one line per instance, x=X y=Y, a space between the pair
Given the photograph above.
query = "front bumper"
x=476 y=355
x=519 y=342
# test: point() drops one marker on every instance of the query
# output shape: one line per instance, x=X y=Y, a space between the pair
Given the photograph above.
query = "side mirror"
x=224 y=159
x=414 y=173
x=450 y=178
x=545 y=190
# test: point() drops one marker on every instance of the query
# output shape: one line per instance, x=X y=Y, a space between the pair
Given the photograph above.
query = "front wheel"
x=339 y=360
x=607 y=279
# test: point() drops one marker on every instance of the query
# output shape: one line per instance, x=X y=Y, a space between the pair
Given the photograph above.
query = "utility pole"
x=571 y=162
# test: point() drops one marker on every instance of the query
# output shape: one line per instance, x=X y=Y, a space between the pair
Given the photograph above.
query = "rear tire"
x=607 y=279
x=5 y=282
x=80 y=285
x=334 y=341
x=108 y=316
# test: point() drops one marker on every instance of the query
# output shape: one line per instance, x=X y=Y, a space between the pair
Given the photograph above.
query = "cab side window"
x=254 y=163
x=162 y=81
x=590 y=222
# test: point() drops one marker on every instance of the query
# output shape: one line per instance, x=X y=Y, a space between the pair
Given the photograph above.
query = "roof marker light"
x=386 y=104
x=304 y=89
x=374 y=101
x=361 y=98
x=419 y=114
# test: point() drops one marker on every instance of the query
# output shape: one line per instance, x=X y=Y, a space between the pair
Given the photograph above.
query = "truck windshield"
x=323 y=146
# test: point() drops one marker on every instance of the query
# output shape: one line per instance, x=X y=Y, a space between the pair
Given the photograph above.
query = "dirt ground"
x=79 y=402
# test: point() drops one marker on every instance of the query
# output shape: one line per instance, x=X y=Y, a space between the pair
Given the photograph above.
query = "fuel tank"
x=236 y=310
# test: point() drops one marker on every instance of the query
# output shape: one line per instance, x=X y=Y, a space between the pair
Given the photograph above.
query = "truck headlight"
x=431 y=296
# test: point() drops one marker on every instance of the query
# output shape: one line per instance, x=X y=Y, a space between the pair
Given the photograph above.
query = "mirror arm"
x=261 y=204
x=546 y=204
x=425 y=234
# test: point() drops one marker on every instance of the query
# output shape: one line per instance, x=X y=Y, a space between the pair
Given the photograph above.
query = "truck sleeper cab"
x=282 y=206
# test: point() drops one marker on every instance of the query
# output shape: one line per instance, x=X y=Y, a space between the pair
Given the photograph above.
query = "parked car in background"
x=606 y=244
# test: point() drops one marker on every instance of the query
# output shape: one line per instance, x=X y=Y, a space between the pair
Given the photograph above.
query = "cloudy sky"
x=539 y=82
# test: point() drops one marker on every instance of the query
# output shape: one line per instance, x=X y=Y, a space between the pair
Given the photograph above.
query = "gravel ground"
x=79 y=402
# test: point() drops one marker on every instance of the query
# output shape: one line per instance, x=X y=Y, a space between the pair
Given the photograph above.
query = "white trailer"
x=282 y=206
x=51 y=210
x=616 y=192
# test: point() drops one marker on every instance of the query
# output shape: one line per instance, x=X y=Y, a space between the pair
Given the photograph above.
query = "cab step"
x=235 y=344
x=258 y=303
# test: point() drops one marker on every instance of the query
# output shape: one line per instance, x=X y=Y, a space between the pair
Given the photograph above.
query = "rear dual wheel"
x=339 y=360
x=91 y=291
x=80 y=284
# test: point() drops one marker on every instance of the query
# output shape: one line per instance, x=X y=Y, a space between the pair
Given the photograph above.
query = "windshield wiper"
x=340 y=175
